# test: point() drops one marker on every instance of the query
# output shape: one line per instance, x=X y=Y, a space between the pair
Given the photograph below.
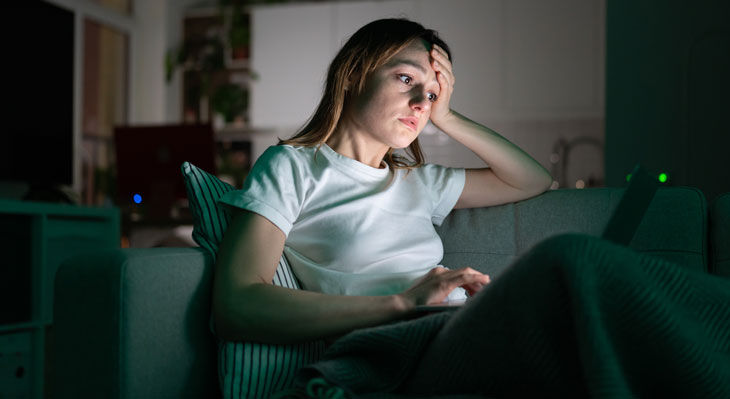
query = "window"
x=104 y=105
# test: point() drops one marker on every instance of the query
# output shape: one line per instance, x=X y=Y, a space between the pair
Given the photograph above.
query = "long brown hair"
x=366 y=50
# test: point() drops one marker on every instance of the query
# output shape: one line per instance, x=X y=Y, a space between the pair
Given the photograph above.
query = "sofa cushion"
x=245 y=369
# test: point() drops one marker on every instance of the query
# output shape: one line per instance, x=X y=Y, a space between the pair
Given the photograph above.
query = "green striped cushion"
x=245 y=369
x=210 y=221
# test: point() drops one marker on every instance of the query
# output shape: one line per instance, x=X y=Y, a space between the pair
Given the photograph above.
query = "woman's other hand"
x=441 y=64
x=435 y=286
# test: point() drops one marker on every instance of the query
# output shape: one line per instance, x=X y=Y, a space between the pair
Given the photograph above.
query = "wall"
x=667 y=98
x=148 y=74
x=530 y=69
x=158 y=28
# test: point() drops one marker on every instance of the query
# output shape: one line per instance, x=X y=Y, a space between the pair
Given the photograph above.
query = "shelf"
x=18 y=327
x=40 y=208
x=236 y=133
x=207 y=35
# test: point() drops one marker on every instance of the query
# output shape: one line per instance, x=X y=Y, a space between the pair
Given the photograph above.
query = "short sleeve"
x=445 y=185
x=272 y=188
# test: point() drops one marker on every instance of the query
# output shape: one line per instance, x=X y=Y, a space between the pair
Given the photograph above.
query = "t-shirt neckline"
x=354 y=165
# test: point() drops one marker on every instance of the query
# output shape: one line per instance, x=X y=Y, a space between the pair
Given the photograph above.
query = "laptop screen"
x=627 y=216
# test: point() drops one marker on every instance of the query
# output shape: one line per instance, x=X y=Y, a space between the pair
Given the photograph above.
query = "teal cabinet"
x=35 y=239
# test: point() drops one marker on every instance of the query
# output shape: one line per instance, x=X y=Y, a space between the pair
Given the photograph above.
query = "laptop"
x=629 y=212
x=621 y=226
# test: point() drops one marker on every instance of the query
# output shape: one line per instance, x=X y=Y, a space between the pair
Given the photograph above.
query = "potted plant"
x=230 y=100
x=239 y=34
x=202 y=54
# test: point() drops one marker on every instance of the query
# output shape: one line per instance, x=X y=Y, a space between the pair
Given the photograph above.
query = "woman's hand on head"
x=440 y=109
x=437 y=284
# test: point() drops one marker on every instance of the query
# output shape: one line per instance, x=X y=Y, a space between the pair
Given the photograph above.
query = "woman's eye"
x=432 y=97
x=405 y=79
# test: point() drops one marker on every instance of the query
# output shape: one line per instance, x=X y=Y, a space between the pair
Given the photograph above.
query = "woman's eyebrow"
x=404 y=61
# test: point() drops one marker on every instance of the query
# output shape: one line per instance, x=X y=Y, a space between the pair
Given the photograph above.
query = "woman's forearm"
x=508 y=162
x=267 y=313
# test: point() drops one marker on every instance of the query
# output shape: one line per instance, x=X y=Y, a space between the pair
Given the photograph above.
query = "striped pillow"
x=210 y=221
x=245 y=369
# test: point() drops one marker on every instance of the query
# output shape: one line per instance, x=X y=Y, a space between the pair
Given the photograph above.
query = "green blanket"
x=575 y=317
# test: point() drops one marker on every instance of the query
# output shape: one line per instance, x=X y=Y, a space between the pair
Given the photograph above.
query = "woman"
x=574 y=317
x=353 y=218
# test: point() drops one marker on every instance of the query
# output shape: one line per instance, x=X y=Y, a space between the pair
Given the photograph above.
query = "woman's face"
x=396 y=100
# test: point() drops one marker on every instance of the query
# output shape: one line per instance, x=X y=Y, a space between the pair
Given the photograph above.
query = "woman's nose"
x=419 y=102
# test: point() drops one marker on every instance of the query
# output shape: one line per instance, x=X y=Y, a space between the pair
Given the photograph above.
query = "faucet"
x=560 y=156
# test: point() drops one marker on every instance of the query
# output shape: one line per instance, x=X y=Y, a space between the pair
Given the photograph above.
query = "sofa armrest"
x=132 y=323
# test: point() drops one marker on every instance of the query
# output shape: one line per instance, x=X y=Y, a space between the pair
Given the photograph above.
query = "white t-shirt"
x=350 y=228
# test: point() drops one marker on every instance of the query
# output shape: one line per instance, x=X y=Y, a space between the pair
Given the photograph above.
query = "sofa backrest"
x=720 y=235
x=489 y=239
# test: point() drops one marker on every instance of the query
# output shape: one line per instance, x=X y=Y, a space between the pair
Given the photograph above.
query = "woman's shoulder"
x=281 y=151
x=428 y=170
x=285 y=153
x=288 y=150
x=434 y=175
x=285 y=160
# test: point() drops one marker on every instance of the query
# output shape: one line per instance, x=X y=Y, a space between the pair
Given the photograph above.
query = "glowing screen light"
x=663 y=177
x=628 y=177
x=137 y=198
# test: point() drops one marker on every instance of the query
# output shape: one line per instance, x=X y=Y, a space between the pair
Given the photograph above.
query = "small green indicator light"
x=628 y=177
x=663 y=177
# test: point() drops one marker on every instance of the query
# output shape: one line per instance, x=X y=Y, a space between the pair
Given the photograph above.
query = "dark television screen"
x=37 y=73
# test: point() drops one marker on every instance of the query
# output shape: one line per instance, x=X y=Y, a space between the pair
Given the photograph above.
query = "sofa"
x=134 y=323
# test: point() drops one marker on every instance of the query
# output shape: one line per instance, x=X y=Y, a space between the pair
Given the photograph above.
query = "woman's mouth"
x=411 y=122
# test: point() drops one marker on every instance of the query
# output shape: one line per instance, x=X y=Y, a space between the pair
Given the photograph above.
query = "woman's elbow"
x=223 y=322
x=542 y=183
x=231 y=316
x=547 y=182
x=538 y=186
